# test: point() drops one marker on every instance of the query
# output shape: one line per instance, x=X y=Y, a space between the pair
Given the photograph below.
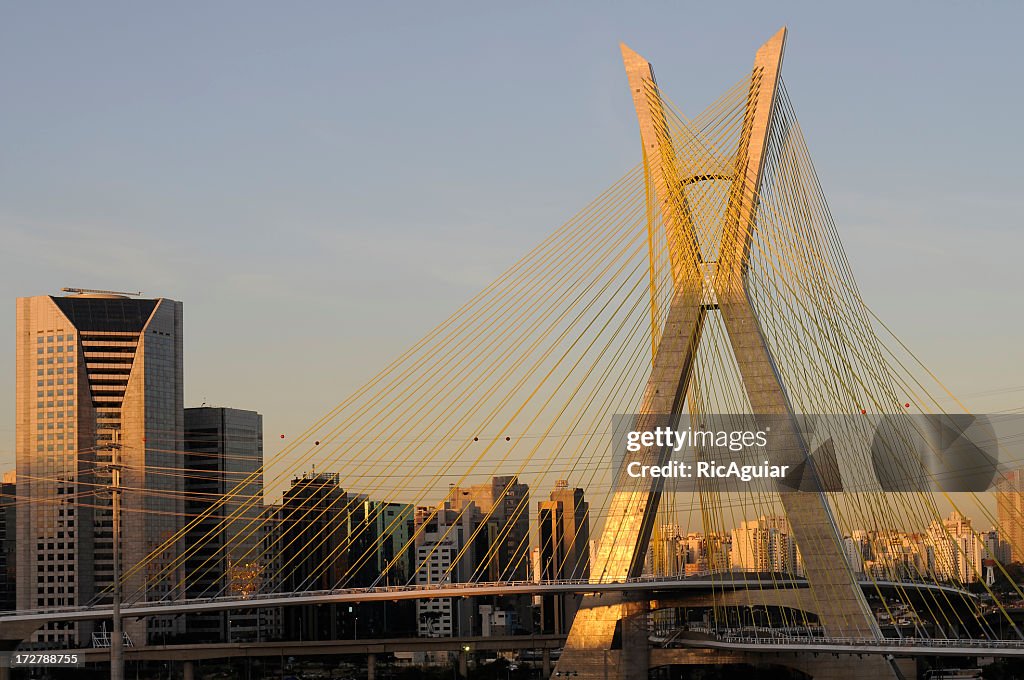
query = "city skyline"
x=292 y=297
x=273 y=493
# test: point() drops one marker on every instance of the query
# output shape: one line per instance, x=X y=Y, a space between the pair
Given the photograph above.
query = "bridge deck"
x=394 y=593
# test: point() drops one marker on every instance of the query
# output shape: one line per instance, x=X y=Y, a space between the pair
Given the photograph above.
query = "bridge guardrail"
x=770 y=638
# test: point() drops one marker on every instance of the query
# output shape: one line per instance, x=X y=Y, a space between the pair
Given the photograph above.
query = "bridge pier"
x=371 y=666
x=635 y=656
x=546 y=664
x=463 y=664
x=188 y=671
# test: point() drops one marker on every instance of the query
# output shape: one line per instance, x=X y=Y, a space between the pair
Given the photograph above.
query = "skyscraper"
x=563 y=525
x=764 y=545
x=505 y=506
x=224 y=459
x=1010 y=502
x=381 y=553
x=312 y=544
x=98 y=372
x=958 y=550
x=504 y=528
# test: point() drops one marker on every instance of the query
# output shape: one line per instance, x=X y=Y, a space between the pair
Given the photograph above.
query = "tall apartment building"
x=313 y=554
x=706 y=554
x=856 y=549
x=893 y=555
x=563 y=529
x=1010 y=506
x=98 y=373
x=381 y=553
x=958 y=549
x=504 y=504
x=224 y=460
x=764 y=545
x=448 y=550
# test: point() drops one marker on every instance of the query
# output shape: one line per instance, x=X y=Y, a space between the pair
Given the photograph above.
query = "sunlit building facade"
x=1010 y=505
x=98 y=373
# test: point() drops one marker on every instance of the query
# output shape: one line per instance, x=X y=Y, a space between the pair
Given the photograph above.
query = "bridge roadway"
x=898 y=647
x=197 y=652
x=436 y=591
x=546 y=644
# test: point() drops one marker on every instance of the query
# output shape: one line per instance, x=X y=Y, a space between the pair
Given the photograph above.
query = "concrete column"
x=546 y=663
x=371 y=667
x=189 y=671
x=5 y=673
x=463 y=664
x=635 y=658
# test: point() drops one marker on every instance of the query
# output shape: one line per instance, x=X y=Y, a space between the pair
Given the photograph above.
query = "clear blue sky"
x=320 y=183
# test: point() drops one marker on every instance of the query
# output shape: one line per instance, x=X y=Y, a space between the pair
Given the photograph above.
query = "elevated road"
x=897 y=647
x=198 y=652
x=438 y=591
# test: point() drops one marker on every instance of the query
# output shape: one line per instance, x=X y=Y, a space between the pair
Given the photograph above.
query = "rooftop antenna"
x=99 y=292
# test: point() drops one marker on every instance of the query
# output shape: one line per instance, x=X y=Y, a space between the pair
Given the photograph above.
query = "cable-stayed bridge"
x=707 y=286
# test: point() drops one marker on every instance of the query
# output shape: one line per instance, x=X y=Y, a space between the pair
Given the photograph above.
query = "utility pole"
x=117 y=639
